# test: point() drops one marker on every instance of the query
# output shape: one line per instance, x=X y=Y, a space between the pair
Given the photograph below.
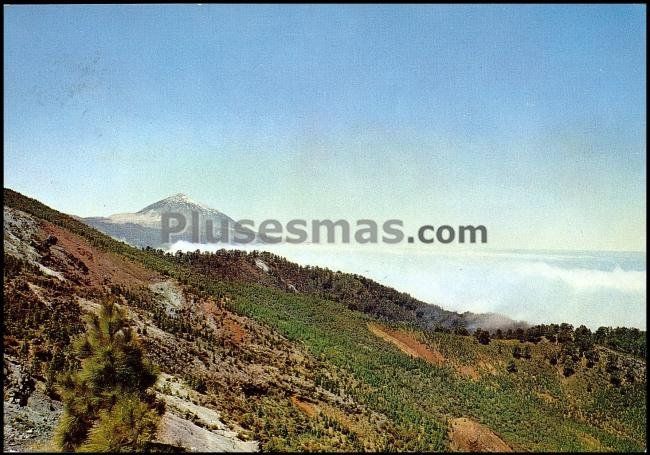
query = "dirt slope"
x=407 y=344
x=469 y=436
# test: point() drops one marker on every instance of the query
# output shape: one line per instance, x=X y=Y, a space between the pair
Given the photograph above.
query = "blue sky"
x=528 y=119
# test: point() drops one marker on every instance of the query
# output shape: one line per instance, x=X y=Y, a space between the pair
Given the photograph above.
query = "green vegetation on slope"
x=532 y=406
x=420 y=396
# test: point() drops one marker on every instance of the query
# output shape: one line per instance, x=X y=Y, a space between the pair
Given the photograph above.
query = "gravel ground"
x=30 y=427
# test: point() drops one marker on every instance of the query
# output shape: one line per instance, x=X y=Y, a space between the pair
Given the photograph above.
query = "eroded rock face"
x=191 y=426
x=466 y=435
x=178 y=432
x=29 y=415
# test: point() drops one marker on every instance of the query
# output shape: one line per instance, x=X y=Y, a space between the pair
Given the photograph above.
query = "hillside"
x=256 y=352
x=354 y=291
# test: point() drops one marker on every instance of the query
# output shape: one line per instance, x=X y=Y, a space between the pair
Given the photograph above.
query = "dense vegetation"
x=622 y=339
x=354 y=291
x=362 y=294
x=420 y=397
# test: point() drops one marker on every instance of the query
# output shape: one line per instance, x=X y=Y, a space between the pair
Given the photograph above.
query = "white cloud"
x=581 y=279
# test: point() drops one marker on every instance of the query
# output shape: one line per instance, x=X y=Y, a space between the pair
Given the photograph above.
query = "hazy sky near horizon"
x=530 y=120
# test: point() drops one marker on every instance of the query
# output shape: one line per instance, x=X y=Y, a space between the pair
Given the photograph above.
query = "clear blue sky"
x=528 y=119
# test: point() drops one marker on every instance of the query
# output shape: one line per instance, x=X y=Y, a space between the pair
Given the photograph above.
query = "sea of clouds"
x=591 y=288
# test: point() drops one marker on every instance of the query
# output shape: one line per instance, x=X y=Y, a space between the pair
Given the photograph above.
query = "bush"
x=483 y=336
x=568 y=367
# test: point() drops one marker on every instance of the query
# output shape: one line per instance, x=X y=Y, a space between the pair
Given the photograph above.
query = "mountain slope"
x=354 y=291
x=224 y=374
x=143 y=228
x=297 y=370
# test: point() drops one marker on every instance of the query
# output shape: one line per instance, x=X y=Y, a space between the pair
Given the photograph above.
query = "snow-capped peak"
x=177 y=202
x=150 y=218
x=181 y=203
x=179 y=197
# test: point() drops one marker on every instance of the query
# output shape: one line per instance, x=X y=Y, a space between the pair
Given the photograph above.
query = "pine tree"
x=106 y=404
x=483 y=336
x=568 y=366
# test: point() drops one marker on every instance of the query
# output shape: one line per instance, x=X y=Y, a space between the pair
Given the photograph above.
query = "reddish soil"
x=467 y=371
x=79 y=261
x=235 y=329
x=469 y=436
x=306 y=407
x=407 y=344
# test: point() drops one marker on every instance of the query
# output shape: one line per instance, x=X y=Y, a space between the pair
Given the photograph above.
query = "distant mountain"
x=144 y=228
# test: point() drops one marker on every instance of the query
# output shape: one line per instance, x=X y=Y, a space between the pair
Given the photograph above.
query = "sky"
x=530 y=120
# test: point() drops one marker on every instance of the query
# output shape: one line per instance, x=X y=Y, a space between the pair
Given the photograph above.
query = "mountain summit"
x=143 y=228
x=179 y=201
